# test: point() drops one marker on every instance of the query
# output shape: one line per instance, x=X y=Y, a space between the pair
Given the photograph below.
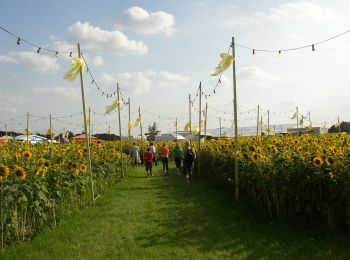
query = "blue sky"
x=159 y=51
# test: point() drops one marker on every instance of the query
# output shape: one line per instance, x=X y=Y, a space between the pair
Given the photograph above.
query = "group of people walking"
x=187 y=155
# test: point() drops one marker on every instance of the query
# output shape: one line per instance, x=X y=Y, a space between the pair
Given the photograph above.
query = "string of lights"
x=39 y=48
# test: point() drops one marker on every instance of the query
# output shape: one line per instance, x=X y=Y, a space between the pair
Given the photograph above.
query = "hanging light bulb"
x=313 y=47
x=279 y=53
x=253 y=51
x=18 y=41
x=56 y=54
x=39 y=49
x=70 y=54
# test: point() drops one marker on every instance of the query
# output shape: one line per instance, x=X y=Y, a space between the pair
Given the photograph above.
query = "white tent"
x=169 y=137
x=32 y=139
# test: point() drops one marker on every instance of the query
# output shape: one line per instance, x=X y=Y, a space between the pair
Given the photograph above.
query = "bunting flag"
x=50 y=131
x=77 y=64
x=294 y=116
x=111 y=108
x=187 y=126
x=138 y=121
x=129 y=125
x=224 y=64
x=301 y=121
x=195 y=131
x=269 y=130
x=27 y=131
x=261 y=123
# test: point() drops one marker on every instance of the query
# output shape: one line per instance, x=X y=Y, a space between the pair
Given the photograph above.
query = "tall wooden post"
x=5 y=129
x=261 y=125
x=257 y=122
x=189 y=112
x=86 y=130
x=27 y=132
x=51 y=128
x=297 y=118
x=205 y=122
x=339 y=124
x=129 y=130
x=235 y=120
x=199 y=133
x=220 y=126
x=268 y=122
x=142 y=151
x=176 y=129
x=120 y=131
x=89 y=126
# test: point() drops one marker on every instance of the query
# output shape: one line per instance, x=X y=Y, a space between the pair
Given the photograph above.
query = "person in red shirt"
x=148 y=161
x=165 y=159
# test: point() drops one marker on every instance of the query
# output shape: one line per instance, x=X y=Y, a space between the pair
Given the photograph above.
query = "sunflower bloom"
x=4 y=172
x=317 y=161
x=27 y=154
x=329 y=161
x=83 y=168
x=20 y=173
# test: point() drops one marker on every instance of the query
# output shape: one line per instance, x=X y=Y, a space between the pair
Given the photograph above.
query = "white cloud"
x=116 y=42
x=134 y=82
x=8 y=103
x=169 y=80
x=72 y=93
x=97 y=61
x=37 y=62
x=256 y=75
x=138 y=20
x=287 y=13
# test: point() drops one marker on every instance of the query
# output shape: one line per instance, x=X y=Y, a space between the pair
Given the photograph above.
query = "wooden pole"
x=86 y=131
x=297 y=118
x=268 y=122
x=339 y=125
x=199 y=133
x=129 y=130
x=189 y=112
x=120 y=132
x=220 y=126
x=235 y=120
x=261 y=125
x=5 y=129
x=89 y=130
x=205 y=122
x=27 y=132
x=143 y=154
x=257 y=122
x=176 y=128
x=50 y=128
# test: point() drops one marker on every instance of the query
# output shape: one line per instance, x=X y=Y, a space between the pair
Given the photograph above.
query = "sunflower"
x=27 y=154
x=20 y=173
x=83 y=168
x=331 y=175
x=252 y=148
x=47 y=163
x=74 y=165
x=317 y=161
x=329 y=161
x=296 y=142
x=255 y=156
x=4 y=171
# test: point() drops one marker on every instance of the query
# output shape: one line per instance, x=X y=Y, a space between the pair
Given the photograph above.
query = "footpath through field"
x=161 y=218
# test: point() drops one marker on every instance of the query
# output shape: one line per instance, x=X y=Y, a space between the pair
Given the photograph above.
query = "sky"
x=159 y=52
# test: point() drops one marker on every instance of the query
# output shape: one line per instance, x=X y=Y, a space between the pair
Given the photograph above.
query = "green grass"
x=161 y=218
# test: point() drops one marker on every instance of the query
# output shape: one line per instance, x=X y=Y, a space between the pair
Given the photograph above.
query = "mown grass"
x=161 y=218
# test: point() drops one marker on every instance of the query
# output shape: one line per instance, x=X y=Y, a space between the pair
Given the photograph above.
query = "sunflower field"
x=300 y=178
x=40 y=183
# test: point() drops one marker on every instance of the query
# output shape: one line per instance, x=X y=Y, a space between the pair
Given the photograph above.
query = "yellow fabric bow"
x=224 y=64
x=77 y=64
x=27 y=131
x=294 y=115
x=138 y=121
x=50 y=131
x=195 y=131
x=112 y=107
x=187 y=126
x=129 y=125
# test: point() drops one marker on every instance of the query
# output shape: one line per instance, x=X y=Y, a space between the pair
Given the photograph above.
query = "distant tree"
x=152 y=132
x=344 y=127
x=107 y=137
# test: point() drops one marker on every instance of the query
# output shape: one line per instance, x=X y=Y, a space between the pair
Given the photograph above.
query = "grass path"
x=161 y=218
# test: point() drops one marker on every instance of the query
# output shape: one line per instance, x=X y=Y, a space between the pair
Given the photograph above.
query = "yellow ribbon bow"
x=50 y=131
x=187 y=126
x=112 y=107
x=77 y=64
x=138 y=121
x=294 y=115
x=195 y=131
x=27 y=131
x=129 y=125
x=224 y=64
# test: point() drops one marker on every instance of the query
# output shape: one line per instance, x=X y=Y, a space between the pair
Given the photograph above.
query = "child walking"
x=149 y=162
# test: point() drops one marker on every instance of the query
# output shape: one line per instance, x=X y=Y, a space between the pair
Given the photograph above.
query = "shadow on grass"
x=205 y=217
